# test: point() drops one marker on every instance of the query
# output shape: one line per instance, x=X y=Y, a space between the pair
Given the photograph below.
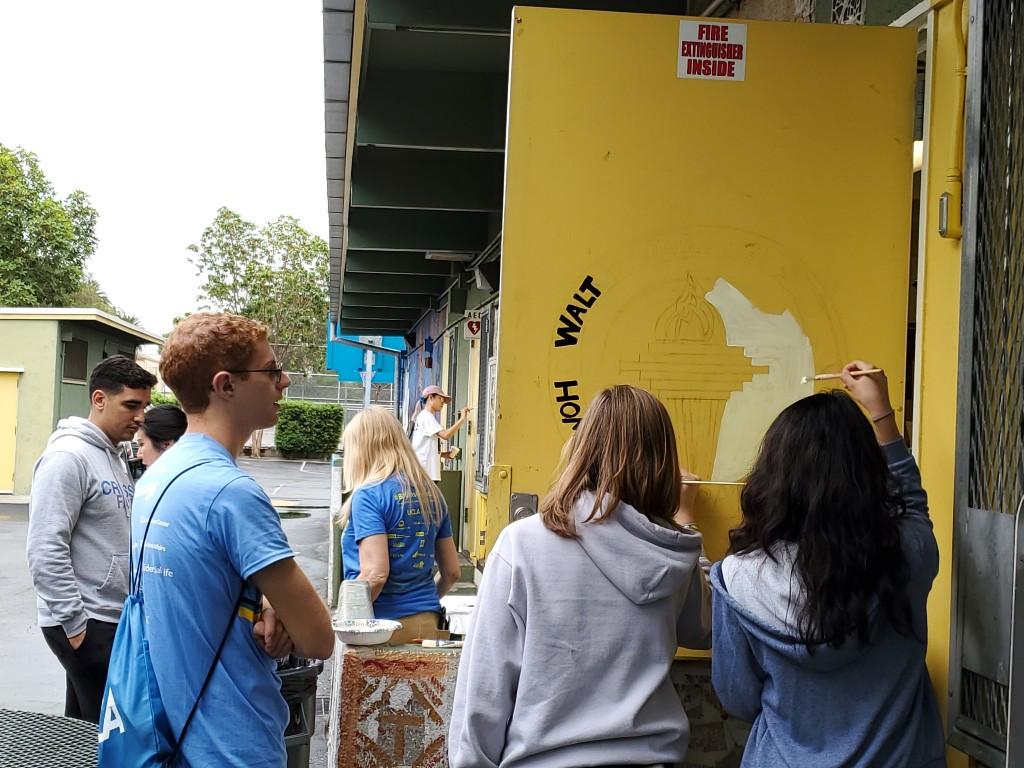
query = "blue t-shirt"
x=383 y=508
x=213 y=527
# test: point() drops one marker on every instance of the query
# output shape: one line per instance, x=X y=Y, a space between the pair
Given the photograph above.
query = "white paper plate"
x=365 y=631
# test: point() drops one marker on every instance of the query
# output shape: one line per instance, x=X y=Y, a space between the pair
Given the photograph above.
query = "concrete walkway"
x=30 y=677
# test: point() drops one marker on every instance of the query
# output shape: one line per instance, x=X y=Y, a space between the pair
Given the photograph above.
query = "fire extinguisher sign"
x=711 y=51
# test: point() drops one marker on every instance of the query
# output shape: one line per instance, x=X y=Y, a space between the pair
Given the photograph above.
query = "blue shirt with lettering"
x=385 y=508
x=213 y=528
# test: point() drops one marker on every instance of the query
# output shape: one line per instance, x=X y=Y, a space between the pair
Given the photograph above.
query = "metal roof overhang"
x=415 y=102
x=82 y=315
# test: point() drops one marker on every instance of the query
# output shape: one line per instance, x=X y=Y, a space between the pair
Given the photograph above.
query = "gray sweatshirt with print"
x=78 y=530
x=567 y=662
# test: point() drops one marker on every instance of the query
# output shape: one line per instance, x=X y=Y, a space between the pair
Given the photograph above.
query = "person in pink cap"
x=427 y=430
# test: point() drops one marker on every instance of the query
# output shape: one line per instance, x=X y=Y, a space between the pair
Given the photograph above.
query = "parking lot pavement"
x=30 y=676
x=298 y=483
x=301 y=491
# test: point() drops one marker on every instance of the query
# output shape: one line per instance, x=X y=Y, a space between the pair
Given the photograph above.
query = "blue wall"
x=347 y=361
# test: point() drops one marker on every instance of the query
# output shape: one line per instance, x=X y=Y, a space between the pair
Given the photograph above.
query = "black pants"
x=85 y=668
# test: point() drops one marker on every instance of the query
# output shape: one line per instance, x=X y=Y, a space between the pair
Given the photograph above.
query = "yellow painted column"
x=938 y=318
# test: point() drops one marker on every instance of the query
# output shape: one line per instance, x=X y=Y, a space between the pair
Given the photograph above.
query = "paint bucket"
x=355 y=600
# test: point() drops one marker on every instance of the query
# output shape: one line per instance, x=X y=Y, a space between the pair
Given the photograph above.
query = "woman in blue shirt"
x=396 y=526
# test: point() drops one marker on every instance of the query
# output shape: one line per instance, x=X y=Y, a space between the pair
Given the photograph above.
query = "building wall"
x=34 y=346
x=347 y=361
x=774 y=10
x=74 y=394
x=876 y=12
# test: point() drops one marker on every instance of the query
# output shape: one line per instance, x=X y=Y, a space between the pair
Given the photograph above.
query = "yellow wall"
x=8 y=427
x=33 y=345
x=794 y=185
x=939 y=292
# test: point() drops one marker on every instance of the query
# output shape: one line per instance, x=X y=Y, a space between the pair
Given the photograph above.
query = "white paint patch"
x=303 y=467
x=776 y=341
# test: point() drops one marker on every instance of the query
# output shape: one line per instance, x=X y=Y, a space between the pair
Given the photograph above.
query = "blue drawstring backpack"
x=134 y=731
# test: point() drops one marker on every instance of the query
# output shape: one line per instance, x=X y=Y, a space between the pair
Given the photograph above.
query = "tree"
x=91 y=294
x=44 y=242
x=277 y=274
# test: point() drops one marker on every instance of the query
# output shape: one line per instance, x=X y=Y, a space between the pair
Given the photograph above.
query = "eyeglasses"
x=275 y=373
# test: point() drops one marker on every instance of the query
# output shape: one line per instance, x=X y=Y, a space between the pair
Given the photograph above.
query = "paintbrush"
x=826 y=376
x=711 y=482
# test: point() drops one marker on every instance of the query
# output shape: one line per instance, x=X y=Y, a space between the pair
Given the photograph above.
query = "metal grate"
x=996 y=457
x=985 y=702
x=848 y=11
x=34 y=740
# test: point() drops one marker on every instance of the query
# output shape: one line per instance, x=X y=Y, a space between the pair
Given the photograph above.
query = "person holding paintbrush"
x=819 y=609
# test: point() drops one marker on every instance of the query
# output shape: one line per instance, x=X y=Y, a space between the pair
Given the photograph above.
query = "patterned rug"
x=393 y=708
x=390 y=709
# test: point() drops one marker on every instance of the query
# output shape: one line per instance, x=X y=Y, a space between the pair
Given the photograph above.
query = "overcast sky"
x=162 y=113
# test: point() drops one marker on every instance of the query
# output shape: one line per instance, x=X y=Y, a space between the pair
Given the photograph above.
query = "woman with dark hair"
x=582 y=606
x=160 y=429
x=819 y=614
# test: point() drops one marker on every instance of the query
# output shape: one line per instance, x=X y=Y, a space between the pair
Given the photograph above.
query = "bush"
x=163 y=398
x=308 y=430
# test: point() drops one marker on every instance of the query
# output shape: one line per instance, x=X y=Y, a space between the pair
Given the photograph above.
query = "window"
x=76 y=359
x=486 y=401
x=451 y=354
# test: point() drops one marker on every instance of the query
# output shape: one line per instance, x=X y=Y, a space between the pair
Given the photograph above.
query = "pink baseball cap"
x=433 y=389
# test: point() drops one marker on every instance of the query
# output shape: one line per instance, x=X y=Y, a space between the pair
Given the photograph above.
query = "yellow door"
x=8 y=428
x=708 y=209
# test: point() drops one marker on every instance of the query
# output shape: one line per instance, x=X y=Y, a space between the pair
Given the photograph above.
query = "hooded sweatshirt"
x=567 y=662
x=852 y=706
x=78 y=535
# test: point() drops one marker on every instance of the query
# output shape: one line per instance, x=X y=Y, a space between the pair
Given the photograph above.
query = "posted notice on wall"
x=472 y=325
x=711 y=51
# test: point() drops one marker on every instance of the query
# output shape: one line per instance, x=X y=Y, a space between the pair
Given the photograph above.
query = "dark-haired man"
x=78 y=540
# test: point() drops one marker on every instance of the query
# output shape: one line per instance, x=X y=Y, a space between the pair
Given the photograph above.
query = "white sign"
x=711 y=51
x=471 y=328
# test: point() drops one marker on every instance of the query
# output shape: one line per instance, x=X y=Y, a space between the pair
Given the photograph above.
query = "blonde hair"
x=623 y=450
x=376 y=448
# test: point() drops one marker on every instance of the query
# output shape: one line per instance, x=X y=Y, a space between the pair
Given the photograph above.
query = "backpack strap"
x=209 y=676
x=135 y=577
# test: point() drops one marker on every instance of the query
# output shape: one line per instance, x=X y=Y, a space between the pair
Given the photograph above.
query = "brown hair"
x=624 y=450
x=200 y=346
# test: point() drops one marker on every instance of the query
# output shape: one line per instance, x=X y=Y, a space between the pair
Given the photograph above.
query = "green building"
x=46 y=355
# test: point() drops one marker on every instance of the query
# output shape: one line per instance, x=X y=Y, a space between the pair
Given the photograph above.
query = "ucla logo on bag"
x=133 y=731
x=111 y=720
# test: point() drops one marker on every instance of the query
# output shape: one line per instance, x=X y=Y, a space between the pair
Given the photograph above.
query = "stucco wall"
x=34 y=346
x=74 y=396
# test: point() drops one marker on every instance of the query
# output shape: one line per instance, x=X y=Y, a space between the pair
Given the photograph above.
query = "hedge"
x=163 y=398
x=308 y=430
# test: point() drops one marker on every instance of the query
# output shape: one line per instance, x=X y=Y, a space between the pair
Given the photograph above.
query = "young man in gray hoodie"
x=79 y=517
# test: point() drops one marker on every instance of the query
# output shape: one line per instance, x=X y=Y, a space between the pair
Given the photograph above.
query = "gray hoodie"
x=567 y=662
x=78 y=528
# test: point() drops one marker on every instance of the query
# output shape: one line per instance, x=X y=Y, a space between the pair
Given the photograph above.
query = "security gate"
x=986 y=704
